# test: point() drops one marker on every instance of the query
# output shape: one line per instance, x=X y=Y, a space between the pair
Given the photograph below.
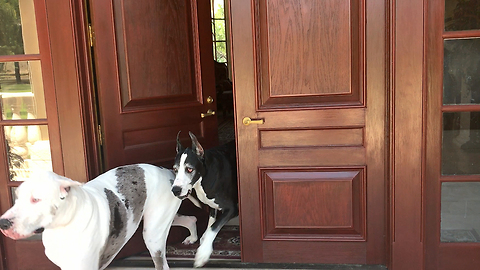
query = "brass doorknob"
x=247 y=121
x=210 y=112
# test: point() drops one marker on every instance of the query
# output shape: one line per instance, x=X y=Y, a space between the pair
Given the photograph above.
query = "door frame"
x=407 y=91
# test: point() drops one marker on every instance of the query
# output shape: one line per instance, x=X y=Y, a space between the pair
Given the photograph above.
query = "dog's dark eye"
x=189 y=170
x=34 y=200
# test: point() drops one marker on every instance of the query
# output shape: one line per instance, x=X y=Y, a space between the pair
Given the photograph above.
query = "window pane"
x=21 y=90
x=462 y=15
x=18 y=29
x=219 y=30
x=28 y=149
x=218 y=9
x=221 y=52
x=461 y=143
x=461 y=82
x=460 y=212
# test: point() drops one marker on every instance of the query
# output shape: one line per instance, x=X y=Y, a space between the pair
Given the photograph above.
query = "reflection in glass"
x=28 y=149
x=18 y=29
x=460 y=212
x=461 y=73
x=462 y=15
x=21 y=90
x=461 y=143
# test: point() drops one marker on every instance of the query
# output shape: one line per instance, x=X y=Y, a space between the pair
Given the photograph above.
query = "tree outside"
x=11 y=41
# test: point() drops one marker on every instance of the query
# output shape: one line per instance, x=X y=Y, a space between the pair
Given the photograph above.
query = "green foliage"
x=10 y=28
x=220 y=36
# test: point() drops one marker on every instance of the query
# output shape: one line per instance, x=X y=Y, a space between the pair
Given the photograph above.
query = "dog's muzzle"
x=177 y=190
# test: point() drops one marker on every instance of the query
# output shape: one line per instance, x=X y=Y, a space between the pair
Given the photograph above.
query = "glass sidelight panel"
x=461 y=143
x=462 y=15
x=28 y=150
x=21 y=90
x=461 y=78
x=18 y=28
x=460 y=212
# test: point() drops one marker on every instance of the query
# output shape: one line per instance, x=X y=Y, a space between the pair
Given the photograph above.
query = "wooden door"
x=154 y=74
x=311 y=177
x=453 y=136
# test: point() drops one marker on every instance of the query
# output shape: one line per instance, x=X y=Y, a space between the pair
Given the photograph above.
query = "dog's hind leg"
x=156 y=225
x=188 y=222
x=206 y=243
x=155 y=239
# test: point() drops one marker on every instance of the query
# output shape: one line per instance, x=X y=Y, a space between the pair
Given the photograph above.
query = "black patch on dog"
x=118 y=231
x=158 y=260
x=131 y=184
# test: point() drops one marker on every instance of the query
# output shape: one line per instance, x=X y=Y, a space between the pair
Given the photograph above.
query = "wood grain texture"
x=311 y=137
x=310 y=52
x=298 y=28
x=155 y=50
x=327 y=204
x=307 y=128
x=151 y=77
x=407 y=136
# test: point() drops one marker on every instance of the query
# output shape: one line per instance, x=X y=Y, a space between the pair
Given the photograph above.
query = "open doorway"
x=180 y=65
x=227 y=242
x=223 y=74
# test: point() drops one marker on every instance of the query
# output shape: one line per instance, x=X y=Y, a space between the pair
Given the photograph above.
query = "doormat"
x=226 y=246
x=226 y=131
x=451 y=236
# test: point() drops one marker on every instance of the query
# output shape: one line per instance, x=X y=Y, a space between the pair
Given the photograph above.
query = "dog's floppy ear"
x=179 y=145
x=65 y=185
x=196 y=147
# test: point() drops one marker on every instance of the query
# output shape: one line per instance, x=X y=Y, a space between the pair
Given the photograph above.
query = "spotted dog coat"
x=85 y=225
x=213 y=175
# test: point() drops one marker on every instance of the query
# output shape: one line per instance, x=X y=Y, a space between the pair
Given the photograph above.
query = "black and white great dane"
x=85 y=225
x=212 y=173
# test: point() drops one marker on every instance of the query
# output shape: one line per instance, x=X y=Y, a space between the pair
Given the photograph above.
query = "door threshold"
x=237 y=264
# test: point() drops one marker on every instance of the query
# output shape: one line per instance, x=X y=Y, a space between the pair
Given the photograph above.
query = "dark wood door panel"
x=310 y=58
x=329 y=156
x=311 y=137
x=150 y=38
x=142 y=145
x=314 y=204
x=321 y=141
x=297 y=118
x=315 y=252
x=154 y=72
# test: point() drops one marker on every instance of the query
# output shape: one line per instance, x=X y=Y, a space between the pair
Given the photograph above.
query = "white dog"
x=85 y=225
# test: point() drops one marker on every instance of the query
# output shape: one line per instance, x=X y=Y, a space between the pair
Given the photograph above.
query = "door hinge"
x=100 y=135
x=91 y=35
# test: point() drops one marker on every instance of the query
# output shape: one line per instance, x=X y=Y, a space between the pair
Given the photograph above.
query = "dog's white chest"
x=202 y=196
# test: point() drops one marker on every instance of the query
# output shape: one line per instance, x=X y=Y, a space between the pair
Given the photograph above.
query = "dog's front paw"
x=203 y=255
x=190 y=240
